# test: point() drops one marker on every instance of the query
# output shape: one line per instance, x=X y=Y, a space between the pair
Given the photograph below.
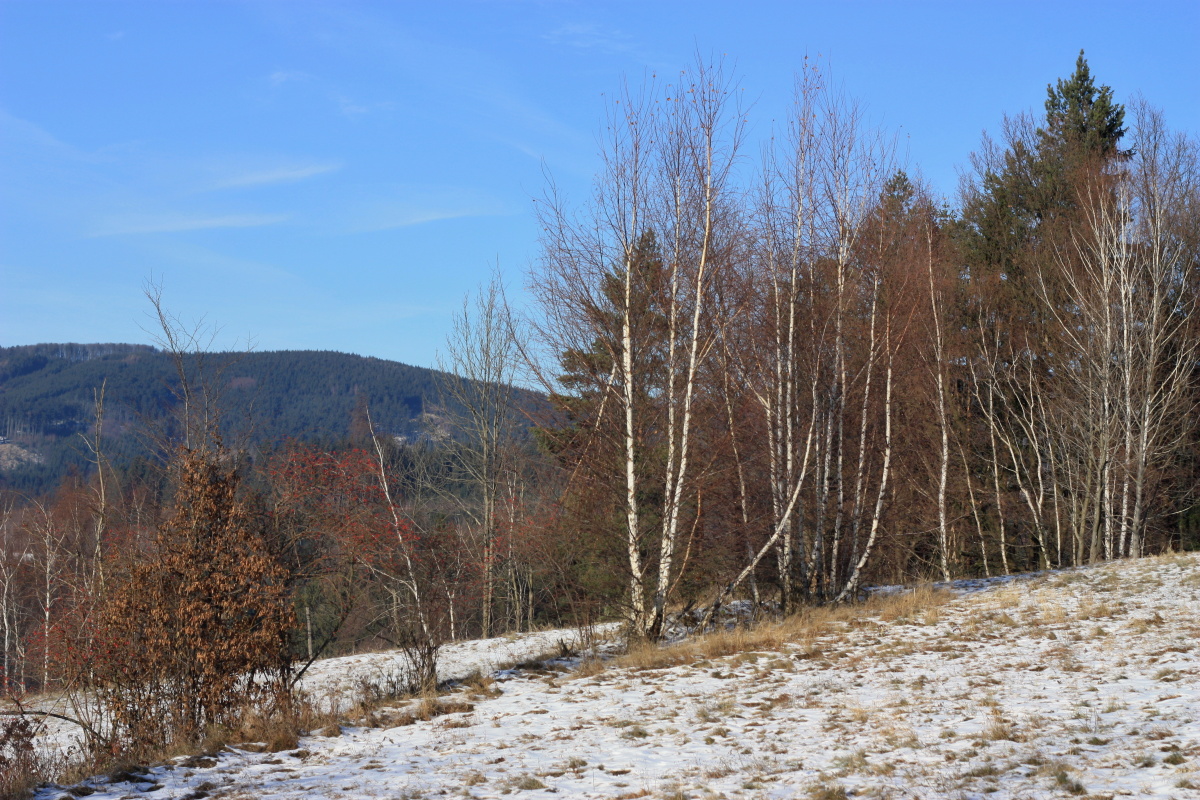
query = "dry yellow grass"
x=1051 y=612
x=918 y=605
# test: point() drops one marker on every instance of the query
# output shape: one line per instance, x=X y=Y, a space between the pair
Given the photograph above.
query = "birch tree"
x=481 y=360
x=669 y=155
x=1126 y=328
x=819 y=337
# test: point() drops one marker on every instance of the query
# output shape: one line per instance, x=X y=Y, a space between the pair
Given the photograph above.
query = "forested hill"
x=47 y=396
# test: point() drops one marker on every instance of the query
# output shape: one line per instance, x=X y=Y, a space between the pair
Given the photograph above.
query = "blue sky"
x=337 y=175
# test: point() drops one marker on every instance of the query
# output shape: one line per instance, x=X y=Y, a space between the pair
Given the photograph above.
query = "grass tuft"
x=827 y=791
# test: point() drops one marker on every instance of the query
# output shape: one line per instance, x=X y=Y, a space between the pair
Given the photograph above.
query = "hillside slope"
x=1084 y=682
x=47 y=399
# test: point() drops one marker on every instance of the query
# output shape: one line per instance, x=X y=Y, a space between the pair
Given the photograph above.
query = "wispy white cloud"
x=282 y=76
x=589 y=36
x=283 y=174
x=129 y=224
x=411 y=206
x=461 y=85
x=348 y=106
x=403 y=217
x=24 y=139
x=180 y=258
x=122 y=189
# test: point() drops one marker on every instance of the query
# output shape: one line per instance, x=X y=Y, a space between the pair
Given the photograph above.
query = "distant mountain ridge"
x=47 y=398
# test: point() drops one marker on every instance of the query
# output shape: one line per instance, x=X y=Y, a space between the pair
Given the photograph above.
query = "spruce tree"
x=1032 y=188
x=1082 y=118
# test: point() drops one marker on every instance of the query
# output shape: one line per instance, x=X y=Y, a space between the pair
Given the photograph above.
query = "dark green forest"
x=48 y=399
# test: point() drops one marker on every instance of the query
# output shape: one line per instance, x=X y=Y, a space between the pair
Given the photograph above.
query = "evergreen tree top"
x=1081 y=116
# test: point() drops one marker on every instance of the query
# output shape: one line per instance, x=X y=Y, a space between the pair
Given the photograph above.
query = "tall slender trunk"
x=409 y=579
x=860 y=472
x=885 y=473
x=943 y=423
x=637 y=599
x=987 y=572
x=679 y=430
x=996 y=479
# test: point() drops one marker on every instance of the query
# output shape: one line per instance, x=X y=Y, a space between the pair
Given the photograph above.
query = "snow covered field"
x=1075 y=683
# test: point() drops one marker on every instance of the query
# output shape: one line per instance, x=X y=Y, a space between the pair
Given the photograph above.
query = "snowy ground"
x=1075 y=683
x=336 y=684
x=333 y=682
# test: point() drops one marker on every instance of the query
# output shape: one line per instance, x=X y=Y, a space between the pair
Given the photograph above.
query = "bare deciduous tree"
x=660 y=222
x=480 y=361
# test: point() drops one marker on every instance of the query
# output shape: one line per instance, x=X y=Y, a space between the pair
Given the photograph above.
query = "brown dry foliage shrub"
x=197 y=632
x=20 y=767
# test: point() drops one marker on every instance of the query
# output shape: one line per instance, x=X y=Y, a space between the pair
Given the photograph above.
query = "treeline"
x=798 y=371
